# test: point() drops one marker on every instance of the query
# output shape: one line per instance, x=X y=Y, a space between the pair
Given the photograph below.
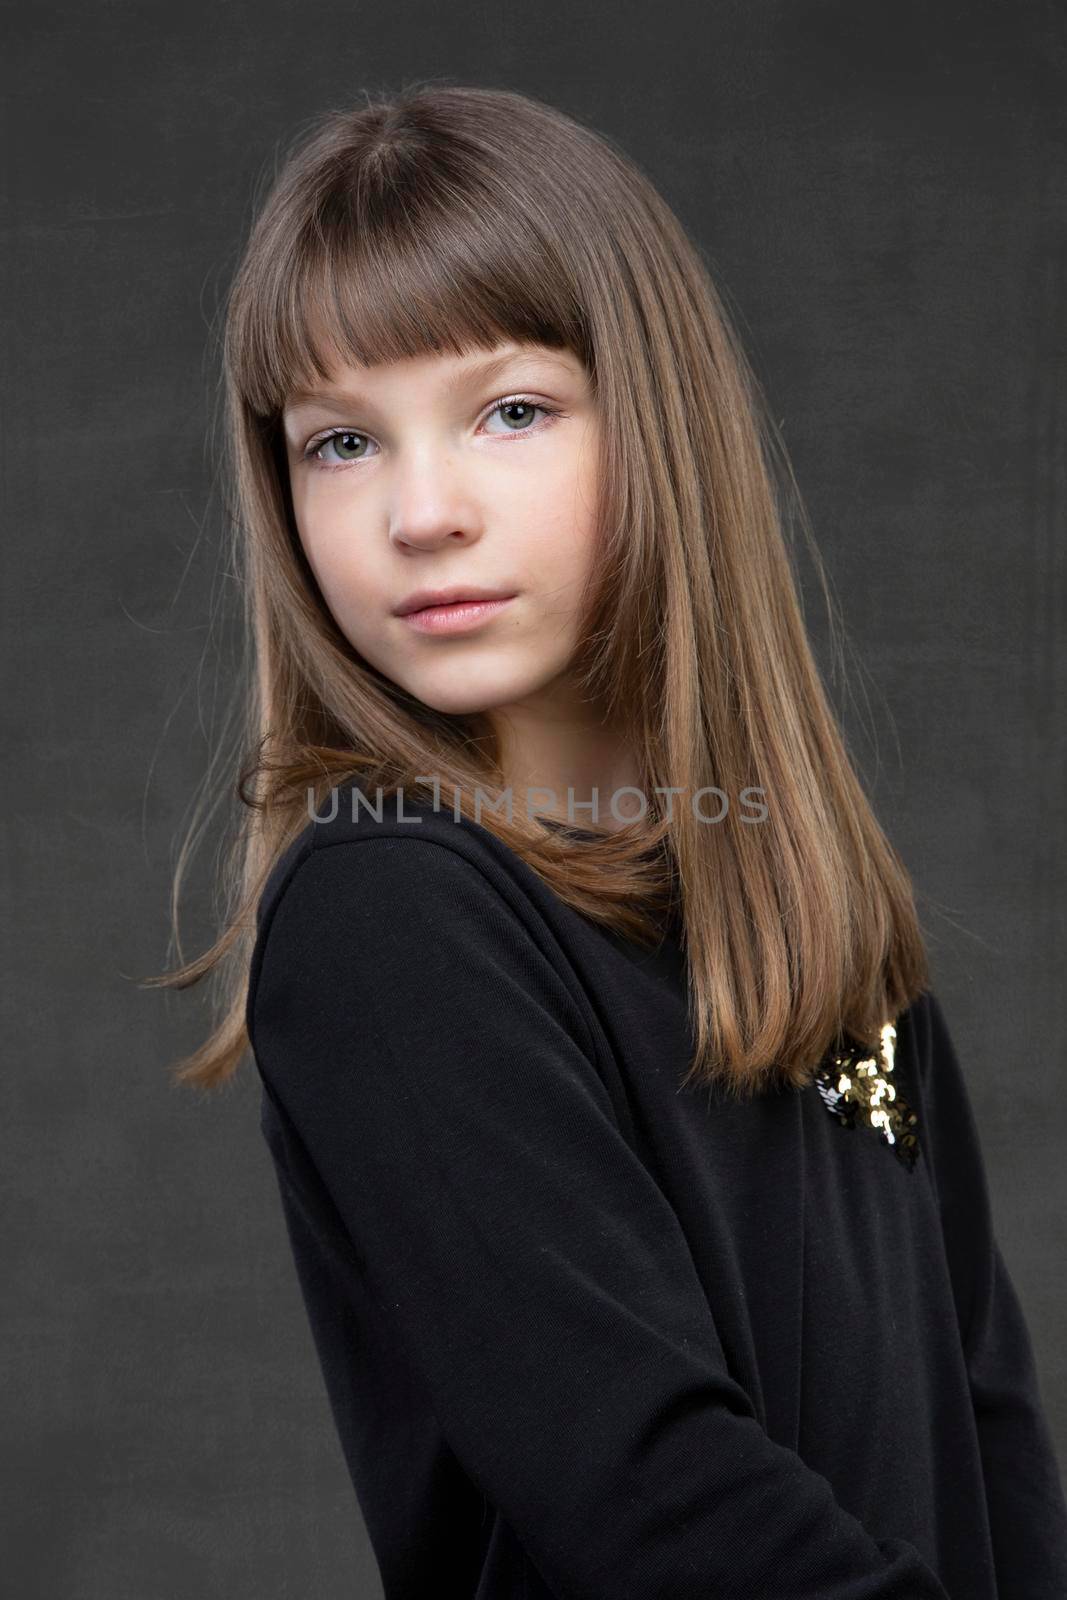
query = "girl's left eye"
x=342 y=436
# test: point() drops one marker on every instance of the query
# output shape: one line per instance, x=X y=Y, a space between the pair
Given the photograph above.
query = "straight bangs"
x=397 y=253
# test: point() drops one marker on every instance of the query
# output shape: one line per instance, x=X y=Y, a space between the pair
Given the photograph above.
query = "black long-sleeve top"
x=585 y=1334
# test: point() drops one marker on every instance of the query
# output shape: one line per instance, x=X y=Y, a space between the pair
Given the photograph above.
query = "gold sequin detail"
x=858 y=1089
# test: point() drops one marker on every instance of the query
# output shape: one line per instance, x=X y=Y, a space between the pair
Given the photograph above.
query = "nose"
x=429 y=502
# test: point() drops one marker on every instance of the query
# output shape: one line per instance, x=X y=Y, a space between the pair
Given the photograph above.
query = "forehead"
x=445 y=372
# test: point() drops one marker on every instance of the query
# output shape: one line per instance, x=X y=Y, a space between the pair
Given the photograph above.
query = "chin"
x=464 y=691
x=455 y=703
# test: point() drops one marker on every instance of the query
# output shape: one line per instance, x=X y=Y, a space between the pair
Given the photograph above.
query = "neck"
x=573 y=754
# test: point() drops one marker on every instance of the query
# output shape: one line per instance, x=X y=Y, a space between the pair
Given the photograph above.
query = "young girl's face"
x=474 y=473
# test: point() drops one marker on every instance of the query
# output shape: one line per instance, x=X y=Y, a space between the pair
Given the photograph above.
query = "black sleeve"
x=438 y=1067
x=1027 y=1511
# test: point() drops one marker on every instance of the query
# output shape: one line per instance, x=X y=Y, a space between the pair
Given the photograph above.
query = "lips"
x=459 y=616
x=422 y=599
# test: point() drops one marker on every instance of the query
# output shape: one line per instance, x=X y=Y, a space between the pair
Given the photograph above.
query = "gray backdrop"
x=880 y=192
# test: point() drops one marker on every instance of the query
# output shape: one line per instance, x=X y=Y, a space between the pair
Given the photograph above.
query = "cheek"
x=339 y=566
x=567 y=532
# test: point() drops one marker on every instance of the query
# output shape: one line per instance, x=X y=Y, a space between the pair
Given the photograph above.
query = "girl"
x=630 y=1173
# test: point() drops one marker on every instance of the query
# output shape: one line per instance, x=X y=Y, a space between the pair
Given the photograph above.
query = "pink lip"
x=459 y=617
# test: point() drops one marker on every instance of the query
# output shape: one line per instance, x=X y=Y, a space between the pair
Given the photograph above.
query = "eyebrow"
x=475 y=372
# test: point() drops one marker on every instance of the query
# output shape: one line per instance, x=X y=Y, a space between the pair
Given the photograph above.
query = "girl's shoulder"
x=412 y=908
x=394 y=844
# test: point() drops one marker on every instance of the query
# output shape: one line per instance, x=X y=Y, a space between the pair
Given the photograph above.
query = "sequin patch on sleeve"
x=858 y=1089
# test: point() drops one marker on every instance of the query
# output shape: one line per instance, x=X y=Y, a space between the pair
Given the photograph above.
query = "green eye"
x=516 y=405
x=343 y=442
x=520 y=402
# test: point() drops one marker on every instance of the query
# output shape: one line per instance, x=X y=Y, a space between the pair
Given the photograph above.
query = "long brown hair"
x=443 y=219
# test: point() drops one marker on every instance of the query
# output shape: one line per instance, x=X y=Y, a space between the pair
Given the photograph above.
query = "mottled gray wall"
x=880 y=191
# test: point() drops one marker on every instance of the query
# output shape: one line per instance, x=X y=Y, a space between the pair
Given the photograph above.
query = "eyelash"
x=316 y=444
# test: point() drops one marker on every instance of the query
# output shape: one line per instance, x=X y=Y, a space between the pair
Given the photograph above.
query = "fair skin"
x=445 y=470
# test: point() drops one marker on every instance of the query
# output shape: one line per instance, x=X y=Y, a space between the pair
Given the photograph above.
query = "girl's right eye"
x=345 y=438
